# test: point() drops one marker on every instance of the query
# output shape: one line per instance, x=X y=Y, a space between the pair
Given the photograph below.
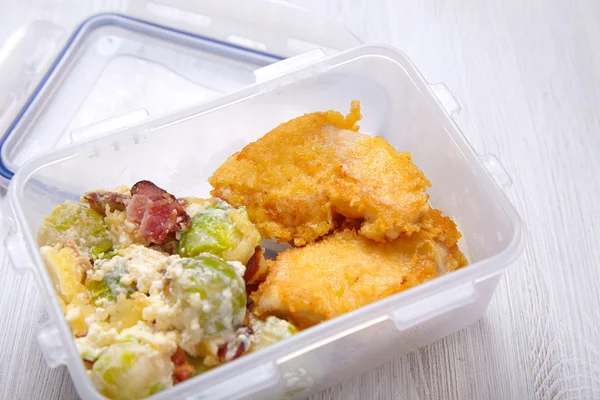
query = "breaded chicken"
x=345 y=270
x=295 y=180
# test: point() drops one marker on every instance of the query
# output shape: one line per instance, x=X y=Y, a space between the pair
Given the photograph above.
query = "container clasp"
x=446 y=98
x=18 y=255
x=51 y=344
x=497 y=170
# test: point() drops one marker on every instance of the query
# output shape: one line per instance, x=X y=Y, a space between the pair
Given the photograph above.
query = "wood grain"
x=527 y=74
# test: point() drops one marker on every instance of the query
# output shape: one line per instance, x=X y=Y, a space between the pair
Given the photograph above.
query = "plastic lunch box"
x=181 y=150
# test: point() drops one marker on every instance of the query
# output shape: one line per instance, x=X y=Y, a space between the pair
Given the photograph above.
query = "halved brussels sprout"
x=220 y=230
x=71 y=222
x=269 y=331
x=131 y=370
x=210 y=294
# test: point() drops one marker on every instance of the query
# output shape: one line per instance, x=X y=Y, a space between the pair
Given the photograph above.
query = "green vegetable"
x=73 y=222
x=271 y=330
x=131 y=370
x=89 y=353
x=211 y=291
x=108 y=255
x=220 y=230
x=110 y=287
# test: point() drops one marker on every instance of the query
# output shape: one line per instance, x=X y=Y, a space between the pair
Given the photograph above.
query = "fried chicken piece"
x=294 y=180
x=345 y=271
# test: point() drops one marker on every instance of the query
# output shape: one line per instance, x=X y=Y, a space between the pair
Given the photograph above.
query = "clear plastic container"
x=179 y=152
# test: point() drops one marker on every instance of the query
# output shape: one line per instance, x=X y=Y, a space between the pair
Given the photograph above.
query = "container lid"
x=133 y=59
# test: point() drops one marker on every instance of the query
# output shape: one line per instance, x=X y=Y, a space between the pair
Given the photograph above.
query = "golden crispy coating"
x=345 y=271
x=376 y=183
x=295 y=179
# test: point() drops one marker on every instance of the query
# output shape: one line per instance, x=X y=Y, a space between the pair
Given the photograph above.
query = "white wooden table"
x=527 y=74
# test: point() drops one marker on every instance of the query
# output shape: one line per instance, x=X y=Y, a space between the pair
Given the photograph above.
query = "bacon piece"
x=137 y=207
x=250 y=288
x=183 y=369
x=256 y=268
x=100 y=199
x=237 y=346
x=149 y=189
x=157 y=212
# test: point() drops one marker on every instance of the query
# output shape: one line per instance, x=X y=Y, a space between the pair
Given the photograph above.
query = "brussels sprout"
x=131 y=370
x=220 y=230
x=110 y=287
x=73 y=222
x=211 y=295
x=269 y=331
